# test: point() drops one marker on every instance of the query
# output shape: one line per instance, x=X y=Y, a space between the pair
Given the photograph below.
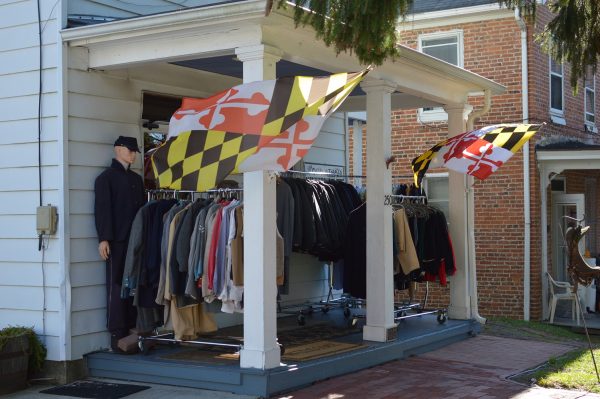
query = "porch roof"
x=197 y=38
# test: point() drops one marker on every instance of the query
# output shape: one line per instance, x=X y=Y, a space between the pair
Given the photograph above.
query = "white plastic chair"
x=565 y=292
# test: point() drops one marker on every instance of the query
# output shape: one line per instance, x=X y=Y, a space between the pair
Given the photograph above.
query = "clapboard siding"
x=29 y=279
x=88 y=297
x=88 y=273
x=104 y=109
x=325 y=156
x=82 y=202
x=25 y=36
x=82 y=226
x=84 y=249
x=26 y=131
x=86 y=343
x=95 y=131
x=28 y=155
x=17 y=226
x=100 y=84
x=26 y=83
x=26 y=250
x=32 y=318
x=330 y=146
x=12 y=297
x=24 y=12
x=308 y=280
x=89 y=321
x=26 y=178
x=23 y=202
x=27 y=59
x=101 y=107
x=30 y=274
x=26 y=107
x=79 y=154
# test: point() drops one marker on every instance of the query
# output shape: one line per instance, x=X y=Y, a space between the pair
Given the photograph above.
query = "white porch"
x=240 y=35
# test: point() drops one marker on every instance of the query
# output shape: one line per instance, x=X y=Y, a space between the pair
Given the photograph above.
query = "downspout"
x=526 y=181
x=471 y=217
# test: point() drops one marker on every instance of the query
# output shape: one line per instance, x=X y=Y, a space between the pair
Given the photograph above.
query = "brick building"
x=496 y=43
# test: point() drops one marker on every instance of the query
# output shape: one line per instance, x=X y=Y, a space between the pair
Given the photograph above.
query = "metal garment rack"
x=401 y=309
x=307 y=308
x=169 y=338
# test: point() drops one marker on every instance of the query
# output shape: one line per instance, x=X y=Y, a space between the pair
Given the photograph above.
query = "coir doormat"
x=95 y=390
x=206 y=356
x=317 y=349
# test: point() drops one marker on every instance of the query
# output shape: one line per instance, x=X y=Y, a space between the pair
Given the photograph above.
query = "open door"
x=572 y=205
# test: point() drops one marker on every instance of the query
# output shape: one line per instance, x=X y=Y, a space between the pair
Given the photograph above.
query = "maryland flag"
x=477 y=153
x=277 y=120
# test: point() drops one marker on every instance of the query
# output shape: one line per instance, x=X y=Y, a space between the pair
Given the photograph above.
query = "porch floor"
x=162 y=365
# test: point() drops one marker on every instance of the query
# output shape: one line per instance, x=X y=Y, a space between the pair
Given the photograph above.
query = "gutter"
x=471 y=217
x=163 y=23
x=526 y=178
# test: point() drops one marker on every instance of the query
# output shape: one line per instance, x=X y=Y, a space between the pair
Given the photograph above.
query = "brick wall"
x=493 y=50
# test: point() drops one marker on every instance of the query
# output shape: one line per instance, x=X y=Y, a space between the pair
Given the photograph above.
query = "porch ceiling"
x=558 y=160
x=206 y=38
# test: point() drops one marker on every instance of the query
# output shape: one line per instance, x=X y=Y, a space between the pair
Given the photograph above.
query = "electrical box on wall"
x=46 y=219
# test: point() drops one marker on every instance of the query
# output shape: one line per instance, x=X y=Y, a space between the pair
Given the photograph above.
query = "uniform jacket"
x=119 y=193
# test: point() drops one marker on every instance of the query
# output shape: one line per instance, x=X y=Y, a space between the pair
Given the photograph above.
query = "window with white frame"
x=446 y=46
x=556 y=91
x=590 y=100
x=436 y=188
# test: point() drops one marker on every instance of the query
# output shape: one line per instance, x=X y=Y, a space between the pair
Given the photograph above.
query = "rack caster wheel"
x=301 y=320
x=346 y=313
x=310 y=310
x=143 y=348
x=325 y=309
x=441 y=317
x=352 y=322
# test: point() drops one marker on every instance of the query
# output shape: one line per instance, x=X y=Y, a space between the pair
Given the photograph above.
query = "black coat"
x=119 y=194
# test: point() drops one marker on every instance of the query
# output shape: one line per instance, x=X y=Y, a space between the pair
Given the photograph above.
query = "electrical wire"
x=39 y=20
x=50 y=15
x=41 y=246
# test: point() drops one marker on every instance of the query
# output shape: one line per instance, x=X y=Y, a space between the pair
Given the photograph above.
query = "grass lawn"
x=574 y=370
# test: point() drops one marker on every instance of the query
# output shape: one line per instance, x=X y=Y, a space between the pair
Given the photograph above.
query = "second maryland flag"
x=210 y=138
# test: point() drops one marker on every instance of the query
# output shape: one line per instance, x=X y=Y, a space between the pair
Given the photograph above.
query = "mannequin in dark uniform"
x=119 y=193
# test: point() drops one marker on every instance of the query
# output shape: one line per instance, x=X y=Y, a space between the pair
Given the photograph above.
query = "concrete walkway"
x=475 y=368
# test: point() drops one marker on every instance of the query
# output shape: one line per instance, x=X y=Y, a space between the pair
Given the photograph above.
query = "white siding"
x=102 y=106
x=330 y=146
x=29 y=279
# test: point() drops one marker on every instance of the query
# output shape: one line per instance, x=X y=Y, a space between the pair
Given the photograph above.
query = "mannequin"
x=119 y=194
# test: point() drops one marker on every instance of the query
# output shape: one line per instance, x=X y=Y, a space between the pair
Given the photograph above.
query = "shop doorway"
x=571 y=205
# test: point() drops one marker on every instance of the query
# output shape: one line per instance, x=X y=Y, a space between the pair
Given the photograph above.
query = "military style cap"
x=129 y=142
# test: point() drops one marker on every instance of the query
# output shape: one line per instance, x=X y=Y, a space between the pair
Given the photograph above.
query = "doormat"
x=314 y=333
x=207 y=356
x=95 y=390
x=318 y=349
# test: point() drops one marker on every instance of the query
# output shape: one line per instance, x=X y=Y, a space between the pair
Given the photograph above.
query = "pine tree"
x=367 y=28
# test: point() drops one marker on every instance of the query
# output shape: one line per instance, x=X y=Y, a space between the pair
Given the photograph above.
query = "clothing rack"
x=324 y=175
x=393 y=199
x=192 y=192
x=400 y=310
x=169 y=338
x=307 y=308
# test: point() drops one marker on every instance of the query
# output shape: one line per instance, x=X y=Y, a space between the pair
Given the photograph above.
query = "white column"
x=380 y=273
x=260 y=349
x=461 y=216
x=544 y=181
x=357 y=151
